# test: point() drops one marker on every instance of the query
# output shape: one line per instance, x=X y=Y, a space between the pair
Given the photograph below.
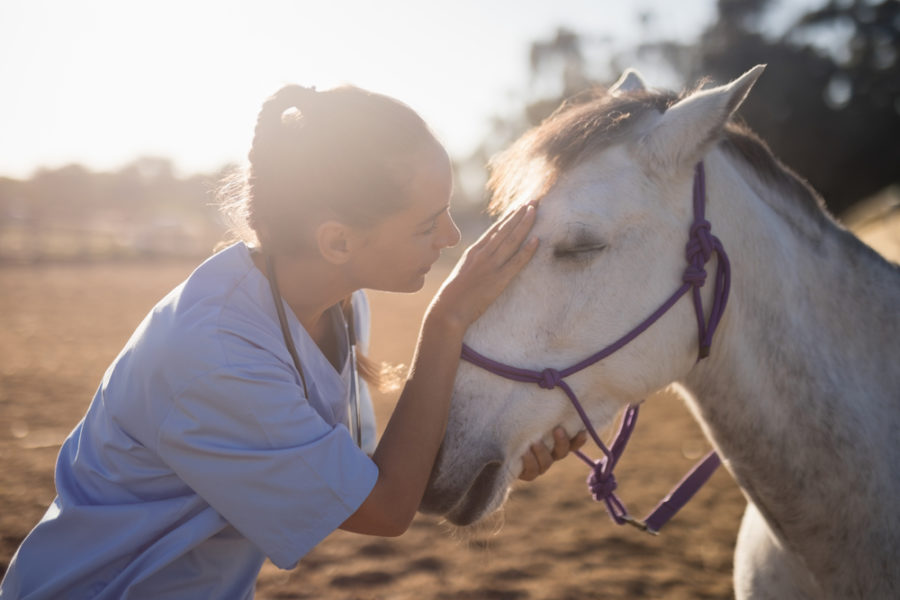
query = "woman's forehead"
x=431 y=184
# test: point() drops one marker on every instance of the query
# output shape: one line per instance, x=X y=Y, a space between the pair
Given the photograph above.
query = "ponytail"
x=276 y=119
x=384 y=376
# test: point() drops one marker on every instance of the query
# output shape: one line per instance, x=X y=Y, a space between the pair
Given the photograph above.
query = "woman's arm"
x=408 y=448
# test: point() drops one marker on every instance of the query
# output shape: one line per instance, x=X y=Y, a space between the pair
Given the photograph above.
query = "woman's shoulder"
x=225 y=289
x=219 y=279
x=222 y=302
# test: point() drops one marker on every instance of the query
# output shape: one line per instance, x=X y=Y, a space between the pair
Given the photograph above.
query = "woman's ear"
x=334 y=242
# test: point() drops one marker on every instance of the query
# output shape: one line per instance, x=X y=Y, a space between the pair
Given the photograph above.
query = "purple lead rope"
x=700 y=248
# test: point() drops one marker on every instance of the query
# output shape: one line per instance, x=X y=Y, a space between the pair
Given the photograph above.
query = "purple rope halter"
x=700 y=248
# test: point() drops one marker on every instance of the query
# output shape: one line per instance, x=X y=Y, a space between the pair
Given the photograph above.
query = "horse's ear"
x=687 y=129
x=630 y=81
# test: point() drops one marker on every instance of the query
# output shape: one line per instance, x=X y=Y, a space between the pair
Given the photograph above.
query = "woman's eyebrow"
x=434 y=216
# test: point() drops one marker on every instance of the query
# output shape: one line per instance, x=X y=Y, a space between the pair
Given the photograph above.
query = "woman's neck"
x=310 y=287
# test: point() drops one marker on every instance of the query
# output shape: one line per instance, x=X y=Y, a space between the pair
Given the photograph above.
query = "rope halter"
x=701 y=246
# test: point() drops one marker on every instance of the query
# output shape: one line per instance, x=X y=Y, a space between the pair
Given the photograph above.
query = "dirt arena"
x=60 y=326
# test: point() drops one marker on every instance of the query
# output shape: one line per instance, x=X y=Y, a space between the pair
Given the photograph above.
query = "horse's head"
x=613 y=174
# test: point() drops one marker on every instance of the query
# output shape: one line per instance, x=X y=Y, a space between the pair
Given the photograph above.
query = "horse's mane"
x=741 y=142
x=582 y=126
x=595 y=120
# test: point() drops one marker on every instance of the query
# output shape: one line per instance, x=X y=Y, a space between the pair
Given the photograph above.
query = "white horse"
x=800 y=394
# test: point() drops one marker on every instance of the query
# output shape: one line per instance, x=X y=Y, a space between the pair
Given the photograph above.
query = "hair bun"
x=289 y=97
x=295 y=100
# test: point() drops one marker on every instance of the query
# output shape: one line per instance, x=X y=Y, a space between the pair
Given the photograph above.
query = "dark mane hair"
x=587 y=124
x=741 y=142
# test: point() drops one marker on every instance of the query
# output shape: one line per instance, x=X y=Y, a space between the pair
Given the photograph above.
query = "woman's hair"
x=346 y=150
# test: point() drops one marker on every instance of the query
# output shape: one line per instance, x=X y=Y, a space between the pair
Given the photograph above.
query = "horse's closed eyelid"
x=581 y=241
x=575 y=251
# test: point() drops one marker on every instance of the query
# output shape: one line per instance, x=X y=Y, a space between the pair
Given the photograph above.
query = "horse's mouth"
x=478 y=498
x=473 y=503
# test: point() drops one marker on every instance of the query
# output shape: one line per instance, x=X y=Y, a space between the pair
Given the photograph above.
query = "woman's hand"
x=486 y=268
x=407 y=449
x=539 y=458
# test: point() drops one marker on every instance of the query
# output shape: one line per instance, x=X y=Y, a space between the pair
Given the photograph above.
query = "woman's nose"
x=450 y=234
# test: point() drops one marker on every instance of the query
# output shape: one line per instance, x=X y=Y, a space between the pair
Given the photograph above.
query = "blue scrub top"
x=199 y=456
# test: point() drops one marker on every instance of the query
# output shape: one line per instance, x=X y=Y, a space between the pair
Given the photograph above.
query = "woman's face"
x=398 y=252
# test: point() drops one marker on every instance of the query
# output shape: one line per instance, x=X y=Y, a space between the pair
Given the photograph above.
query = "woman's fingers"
x=508 y=233
x=578 y=441
x=508 y=237
x=507 y=251
x=535 y=462
x=530 y=468
x=497 y=225
x=560 y=443
x=487 y=267
x=538 y=458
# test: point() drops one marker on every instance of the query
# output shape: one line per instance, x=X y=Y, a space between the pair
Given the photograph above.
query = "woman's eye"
x=431 y=228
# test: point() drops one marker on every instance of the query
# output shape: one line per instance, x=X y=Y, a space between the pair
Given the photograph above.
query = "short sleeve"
x=250 y=445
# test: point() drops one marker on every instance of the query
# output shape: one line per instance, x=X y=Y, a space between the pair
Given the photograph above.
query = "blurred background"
x=118 y=119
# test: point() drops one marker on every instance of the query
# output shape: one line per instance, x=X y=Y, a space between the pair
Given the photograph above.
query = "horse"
x=800 y=391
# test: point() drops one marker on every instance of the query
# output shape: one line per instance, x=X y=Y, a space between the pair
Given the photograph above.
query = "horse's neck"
x=801 y=394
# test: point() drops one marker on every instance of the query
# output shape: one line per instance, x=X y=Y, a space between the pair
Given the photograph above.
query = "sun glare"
x=101 y=82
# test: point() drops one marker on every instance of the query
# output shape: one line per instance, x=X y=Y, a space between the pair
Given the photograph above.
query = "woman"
x=220 y=435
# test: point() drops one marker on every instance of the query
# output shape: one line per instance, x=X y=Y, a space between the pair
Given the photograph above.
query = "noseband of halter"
x=700 y=248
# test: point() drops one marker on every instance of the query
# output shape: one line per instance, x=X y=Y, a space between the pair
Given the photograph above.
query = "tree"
x=828 y=103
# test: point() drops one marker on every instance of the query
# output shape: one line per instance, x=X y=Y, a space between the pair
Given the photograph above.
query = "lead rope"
x=601 y=482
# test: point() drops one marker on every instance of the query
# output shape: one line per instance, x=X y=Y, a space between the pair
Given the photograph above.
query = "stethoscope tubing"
x=354 y=423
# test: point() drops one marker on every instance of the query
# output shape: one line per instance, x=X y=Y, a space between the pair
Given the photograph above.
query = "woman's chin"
x=417 y=284
x=411 y=288
x=414 y=285
x=410 y=285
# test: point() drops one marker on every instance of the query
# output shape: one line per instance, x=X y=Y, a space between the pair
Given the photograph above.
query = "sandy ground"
x=60 y=326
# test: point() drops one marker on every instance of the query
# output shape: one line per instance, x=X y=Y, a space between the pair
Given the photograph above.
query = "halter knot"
x=550 y=378
x=700 y=240
x=695 y=276
x=602 y=485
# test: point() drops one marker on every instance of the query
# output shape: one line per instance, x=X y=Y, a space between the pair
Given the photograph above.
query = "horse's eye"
x=582 y=251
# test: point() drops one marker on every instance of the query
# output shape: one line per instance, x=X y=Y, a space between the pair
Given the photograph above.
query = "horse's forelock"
x=580 y=127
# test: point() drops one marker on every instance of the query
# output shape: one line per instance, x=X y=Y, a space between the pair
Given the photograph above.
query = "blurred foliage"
x=828 y=103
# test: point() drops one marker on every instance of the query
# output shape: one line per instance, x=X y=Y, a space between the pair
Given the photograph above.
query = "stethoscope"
x=354 y=423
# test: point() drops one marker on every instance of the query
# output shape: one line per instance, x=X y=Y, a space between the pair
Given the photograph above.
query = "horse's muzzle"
x=463 y=505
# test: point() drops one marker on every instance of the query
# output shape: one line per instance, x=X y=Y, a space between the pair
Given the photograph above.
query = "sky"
x=102 y=82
